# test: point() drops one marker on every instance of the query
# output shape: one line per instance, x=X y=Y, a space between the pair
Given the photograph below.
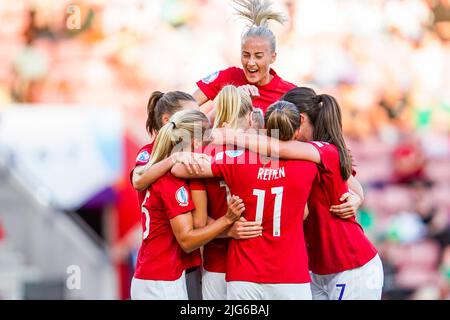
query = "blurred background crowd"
x=387 y=62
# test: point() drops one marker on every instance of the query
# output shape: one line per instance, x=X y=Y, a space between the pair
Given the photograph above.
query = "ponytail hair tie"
x=318 y=99
x=174 y=125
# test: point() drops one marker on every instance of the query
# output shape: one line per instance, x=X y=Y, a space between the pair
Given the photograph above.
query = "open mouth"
x=252 y=71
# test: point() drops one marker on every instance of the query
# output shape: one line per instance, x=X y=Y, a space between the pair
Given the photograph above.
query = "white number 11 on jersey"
x=278 y=192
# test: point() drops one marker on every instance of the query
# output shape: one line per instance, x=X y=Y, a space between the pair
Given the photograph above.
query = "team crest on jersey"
x=182 y=197
x=144 y=156
x=211 y=77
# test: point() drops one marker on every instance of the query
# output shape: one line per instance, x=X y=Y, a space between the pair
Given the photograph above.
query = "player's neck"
x=266 y=80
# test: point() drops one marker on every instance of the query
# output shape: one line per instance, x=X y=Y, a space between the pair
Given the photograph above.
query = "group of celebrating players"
x=263 y=201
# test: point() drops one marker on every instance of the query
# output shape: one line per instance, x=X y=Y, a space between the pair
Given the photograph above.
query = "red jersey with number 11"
x=274 y=193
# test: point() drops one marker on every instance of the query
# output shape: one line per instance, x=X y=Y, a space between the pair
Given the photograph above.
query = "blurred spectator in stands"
x=408 y=160
x=31 y=64
x=441 y=18
x=433 y=215
x=388 y=62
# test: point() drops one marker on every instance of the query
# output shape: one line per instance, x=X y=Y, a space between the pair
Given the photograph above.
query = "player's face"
x=306 y=130
x=256 y=58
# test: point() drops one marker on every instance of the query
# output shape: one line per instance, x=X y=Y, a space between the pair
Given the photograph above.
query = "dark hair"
x=160 y=103
x=325 y=115
x=284 y=116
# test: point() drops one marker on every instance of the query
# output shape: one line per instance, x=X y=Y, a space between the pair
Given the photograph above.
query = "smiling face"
x=256 y=58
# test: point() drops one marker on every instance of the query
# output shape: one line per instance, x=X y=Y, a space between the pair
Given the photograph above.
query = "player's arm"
x=144 y=176
x=207 y=108
x=204 y=169
x=356 y=187
x=201 y=99
x=191 y=239
x=306 y=212
x=200 y=213
x=353 y=200
x=243 y=229
x=267 y=146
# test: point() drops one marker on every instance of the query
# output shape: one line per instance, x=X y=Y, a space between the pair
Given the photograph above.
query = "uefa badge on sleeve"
x=144 y=156
x=182 y=197
x=210 y=78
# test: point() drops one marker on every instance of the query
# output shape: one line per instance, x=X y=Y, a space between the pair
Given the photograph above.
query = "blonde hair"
x=232 y=104
x=259 y=13
x=181 y=129
x=284 y=117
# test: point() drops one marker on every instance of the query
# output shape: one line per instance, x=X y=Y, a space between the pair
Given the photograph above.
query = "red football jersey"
x=274 y=193
x=334 y=244
x=268 y=94
x=160 y=256
x=214 y=252
x=142 y=159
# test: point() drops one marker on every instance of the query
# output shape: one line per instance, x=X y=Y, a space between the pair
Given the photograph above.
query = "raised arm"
x=191 y=239
x=207 y=108
x=267 y=146
x=200 y=97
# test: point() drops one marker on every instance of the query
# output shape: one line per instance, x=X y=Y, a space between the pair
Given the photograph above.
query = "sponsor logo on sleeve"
x=182 y=196
x=320 y=144
x=210 y=78
x=144 y=156
x=219 y=156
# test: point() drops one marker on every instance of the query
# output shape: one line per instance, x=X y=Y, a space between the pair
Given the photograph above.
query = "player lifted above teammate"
x=258 y=52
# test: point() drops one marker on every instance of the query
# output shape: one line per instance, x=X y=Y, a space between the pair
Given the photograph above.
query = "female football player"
x=169 y=237
x=234 y=108
x=343 y=262
x=258 y=52
x=275 y=264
